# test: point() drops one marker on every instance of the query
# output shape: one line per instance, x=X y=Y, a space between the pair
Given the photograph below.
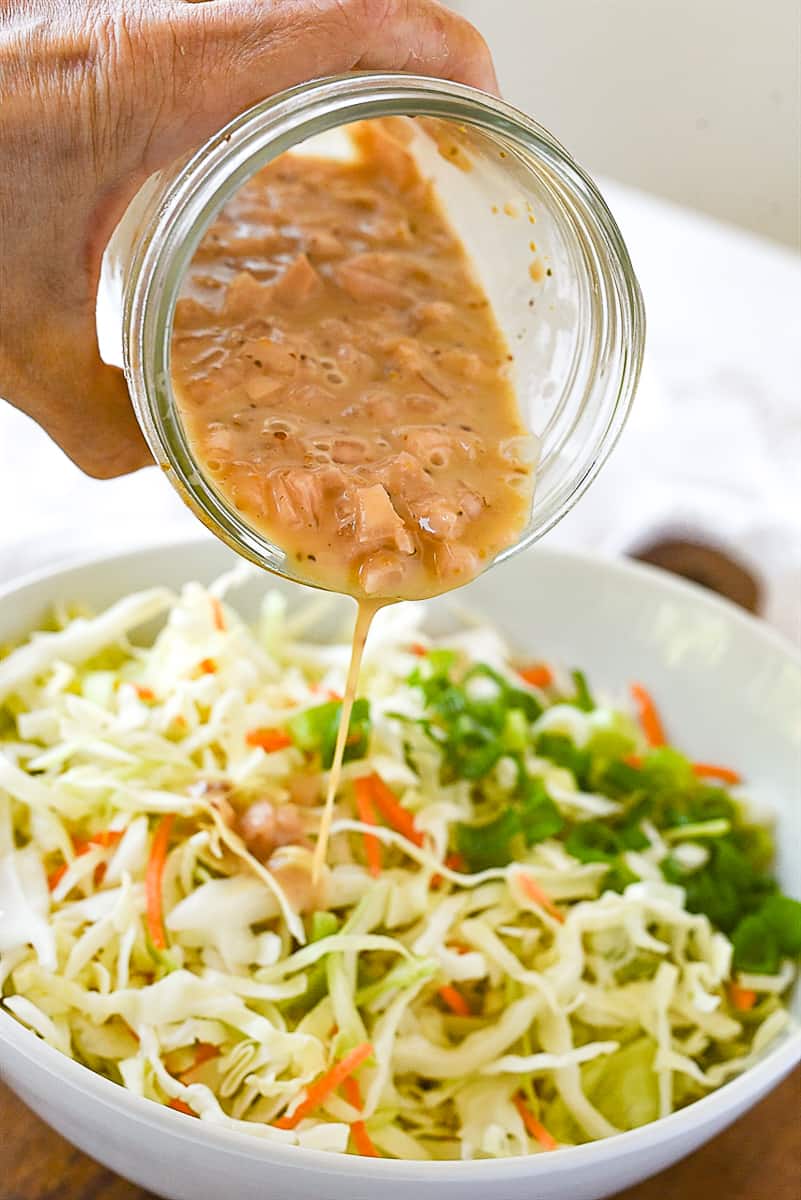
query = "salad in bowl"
x=539 y=924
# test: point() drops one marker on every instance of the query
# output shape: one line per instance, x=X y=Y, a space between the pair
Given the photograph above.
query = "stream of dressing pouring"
x=367 y=609
x=507 y=294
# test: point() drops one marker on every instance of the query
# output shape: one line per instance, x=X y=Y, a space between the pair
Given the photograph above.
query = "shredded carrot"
x=535 y=893
x=454 y=1000
x=55 y=877
x=179 y=1106
x=268 y=739
x=106 y=838
x=109 y=837
x=419 y=649
x=319 y=1092
x=154 y=873
x=204 y=1052
x=710 y=771
x=534 y=1127
x=364 y=805
x=353 y=1093
x=392 y=810
x=144 y=693
x=217 y=615
x=633 y=760
x=361 y=1138
x=538 y=675
x=207 y=666
x=455 y=862
x=743 y=999
x=648 y=713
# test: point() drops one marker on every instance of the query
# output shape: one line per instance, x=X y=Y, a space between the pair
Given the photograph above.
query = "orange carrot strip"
x=743 y=999
x=361 y=1138
x=319 y=1092
x=538 y=674
x=633 y=760
x=455 y=862
x=179 y=1106
x=55 y=877
x=106 y=838
x=364 y=805
x=534 y=1127
x=268 y=739
x=392 y=810
x=535 y=893
x=144 y=693
x=204 y=1052
x=154 y=873
x=207 y=666
x=353 y=1093
x=217 y=614
x=109 y=837
x=648 y=713
x=419 y=649
x=454 y=1000
x=710 y=771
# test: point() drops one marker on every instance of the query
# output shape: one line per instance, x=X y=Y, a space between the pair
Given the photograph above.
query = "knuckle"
x=364 y=18
x=143 y=80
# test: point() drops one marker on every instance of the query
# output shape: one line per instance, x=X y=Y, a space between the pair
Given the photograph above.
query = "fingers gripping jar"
x=540 y=237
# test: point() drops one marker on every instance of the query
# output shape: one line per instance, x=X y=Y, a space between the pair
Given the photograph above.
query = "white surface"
x=713 y=445
x=728 y=689
x=699 y=102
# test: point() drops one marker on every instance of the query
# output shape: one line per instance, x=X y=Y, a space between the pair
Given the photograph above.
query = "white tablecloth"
x=713 y=446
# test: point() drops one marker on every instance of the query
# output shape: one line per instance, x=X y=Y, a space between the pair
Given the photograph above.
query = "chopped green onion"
x=756 y=948
x=701 y=829
x=316 y=729
x=583 y=697
x=782 y=916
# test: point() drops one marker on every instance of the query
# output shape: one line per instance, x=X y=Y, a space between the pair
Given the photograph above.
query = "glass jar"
x=541 y=238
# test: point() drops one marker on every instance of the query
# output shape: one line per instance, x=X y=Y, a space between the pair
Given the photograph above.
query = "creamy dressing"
x=364 y=619
x=341 y=376
x=343 y=382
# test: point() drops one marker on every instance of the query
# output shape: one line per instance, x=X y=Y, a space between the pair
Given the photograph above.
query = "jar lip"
x=230 y=157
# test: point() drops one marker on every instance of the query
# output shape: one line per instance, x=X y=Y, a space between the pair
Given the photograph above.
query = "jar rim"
x=210 y=176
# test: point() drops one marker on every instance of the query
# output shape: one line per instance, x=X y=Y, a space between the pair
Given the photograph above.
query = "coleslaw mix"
x=538 y=925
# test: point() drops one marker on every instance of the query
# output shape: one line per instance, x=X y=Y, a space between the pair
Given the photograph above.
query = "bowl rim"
x=768 y=1070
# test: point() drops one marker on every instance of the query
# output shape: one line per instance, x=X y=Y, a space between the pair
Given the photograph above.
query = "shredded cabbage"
x=562 y=922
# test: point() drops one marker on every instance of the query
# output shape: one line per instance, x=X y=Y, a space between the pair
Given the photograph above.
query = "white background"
x=696 y=100
x=714 y=443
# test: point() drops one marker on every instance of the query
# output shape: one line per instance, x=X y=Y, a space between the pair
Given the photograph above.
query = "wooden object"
x=758 y=1157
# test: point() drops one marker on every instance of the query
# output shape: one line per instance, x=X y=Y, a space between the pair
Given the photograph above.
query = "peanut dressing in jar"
x=342 y=380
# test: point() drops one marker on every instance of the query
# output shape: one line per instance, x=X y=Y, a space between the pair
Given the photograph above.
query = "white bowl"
x=729 y=690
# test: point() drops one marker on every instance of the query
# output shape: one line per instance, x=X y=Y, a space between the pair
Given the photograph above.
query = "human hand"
x=96 y=97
